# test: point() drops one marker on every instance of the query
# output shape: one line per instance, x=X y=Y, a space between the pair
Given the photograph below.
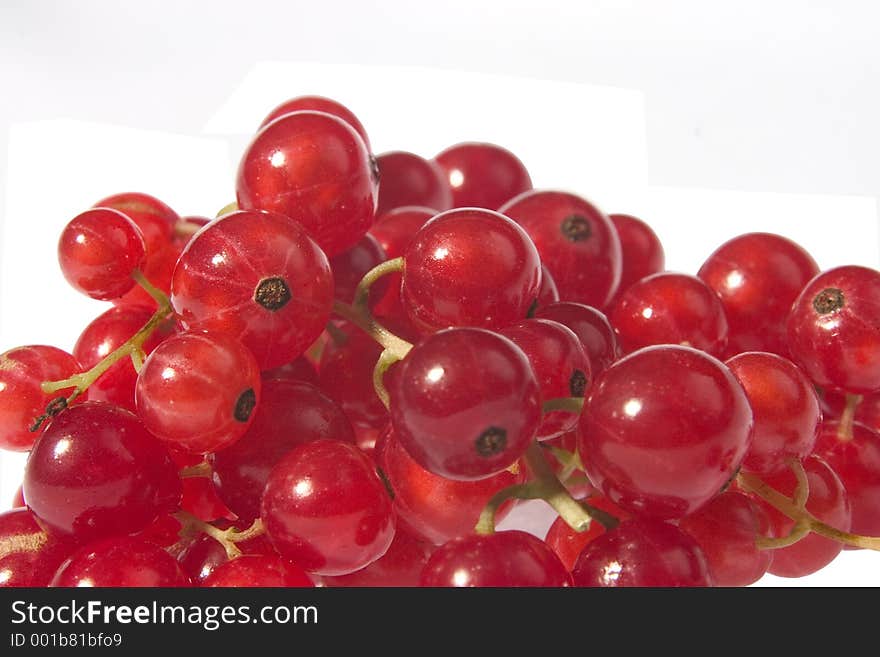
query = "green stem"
x=202 y=469
x=845 y=426
x=226 y=537
x=753 y=484
x=386 y=359
x=368 y=324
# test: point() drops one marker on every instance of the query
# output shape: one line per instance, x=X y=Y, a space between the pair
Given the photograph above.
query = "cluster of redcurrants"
x=349 y=375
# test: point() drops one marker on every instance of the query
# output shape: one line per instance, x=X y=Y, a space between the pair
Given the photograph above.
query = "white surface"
x=710 y=120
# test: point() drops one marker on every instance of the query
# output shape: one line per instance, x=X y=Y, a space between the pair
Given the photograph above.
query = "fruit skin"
x=642 y=552
x=318 y=104
x=120 y=561
x=314 y=168
x=407 y=179
x=326 y=509
x=98 y=251
x=252 y=570
x=785 y=406
x=663 y=430
x=198 y=391
x=726 y=529
x=506 y=558
x=470 y=267
x=758 y=276
x=465 y=403
x=29 y=556
x=832 y=329
x=828 y=502
x=641 y=252
x=96 y=471
x=22 y=400
x=482 y=174
x=434 y=507
x=217 y=280
x=576 y=240
x=670 y=308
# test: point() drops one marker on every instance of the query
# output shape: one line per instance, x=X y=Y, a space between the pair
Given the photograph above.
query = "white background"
x=707 y=120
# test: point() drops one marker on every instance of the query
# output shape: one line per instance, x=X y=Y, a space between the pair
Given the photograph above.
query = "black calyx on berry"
x=828 y=300
x=244 y=405
x=492 y=441
x=272 y=293
x=576 y=228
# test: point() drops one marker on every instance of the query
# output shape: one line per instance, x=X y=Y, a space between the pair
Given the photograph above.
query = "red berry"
x=482 y=174
x=663 y=430
x=828 y=503
x=641 y=252
x=96 y=471
x=99 y=250
x=400 y=566
x=785 y=406
x=670 y=308
x=155 y=219
x=758 y=276
x=197 y=391
x=465 y=403
x=29 y=556
x=23 y=370
x=251 y=570
x=642 y=552
x=326 y=509
x=120 y=561
x=591 y=326
x=470 y=267
x=259 y=277
x=509 y=558
x=407 y=179
x=437 y=508
x=577 y=242
x=726 y=530
x=316 y=169
x=318 y=104
x=832 y=329
x=560 y=365
x=568 y=543
x=290 y=413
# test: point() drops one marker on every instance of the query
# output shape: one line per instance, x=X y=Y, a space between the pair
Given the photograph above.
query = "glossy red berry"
x=434 y=507
x=350 y=266
x=465 y=403
x=400 y=566
x=568 y=543
x=29 y=556
x=252 y=570
x=642 y=552
x=290 y=413
x=99 y=250
x=314 y=168
x=510 y=558
x=832 y=329
x=258 y=277
x=198 y=391
x=560 y=365
x=726 y=530
x=670 y=308
x=96 y=471
x=155 y=218
x=22 y=400
x=785 y=406
x=110 y=330
x=318 y=104
x=663 y=430
x=757 y=276
x=326 y=509
x=854 y=455
x=482 y=174
x=470 y=267
x=120 y=561
x=641 y=252
x=577 y=242
x=828 y=503
x=591 y=326
x=407 y=179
